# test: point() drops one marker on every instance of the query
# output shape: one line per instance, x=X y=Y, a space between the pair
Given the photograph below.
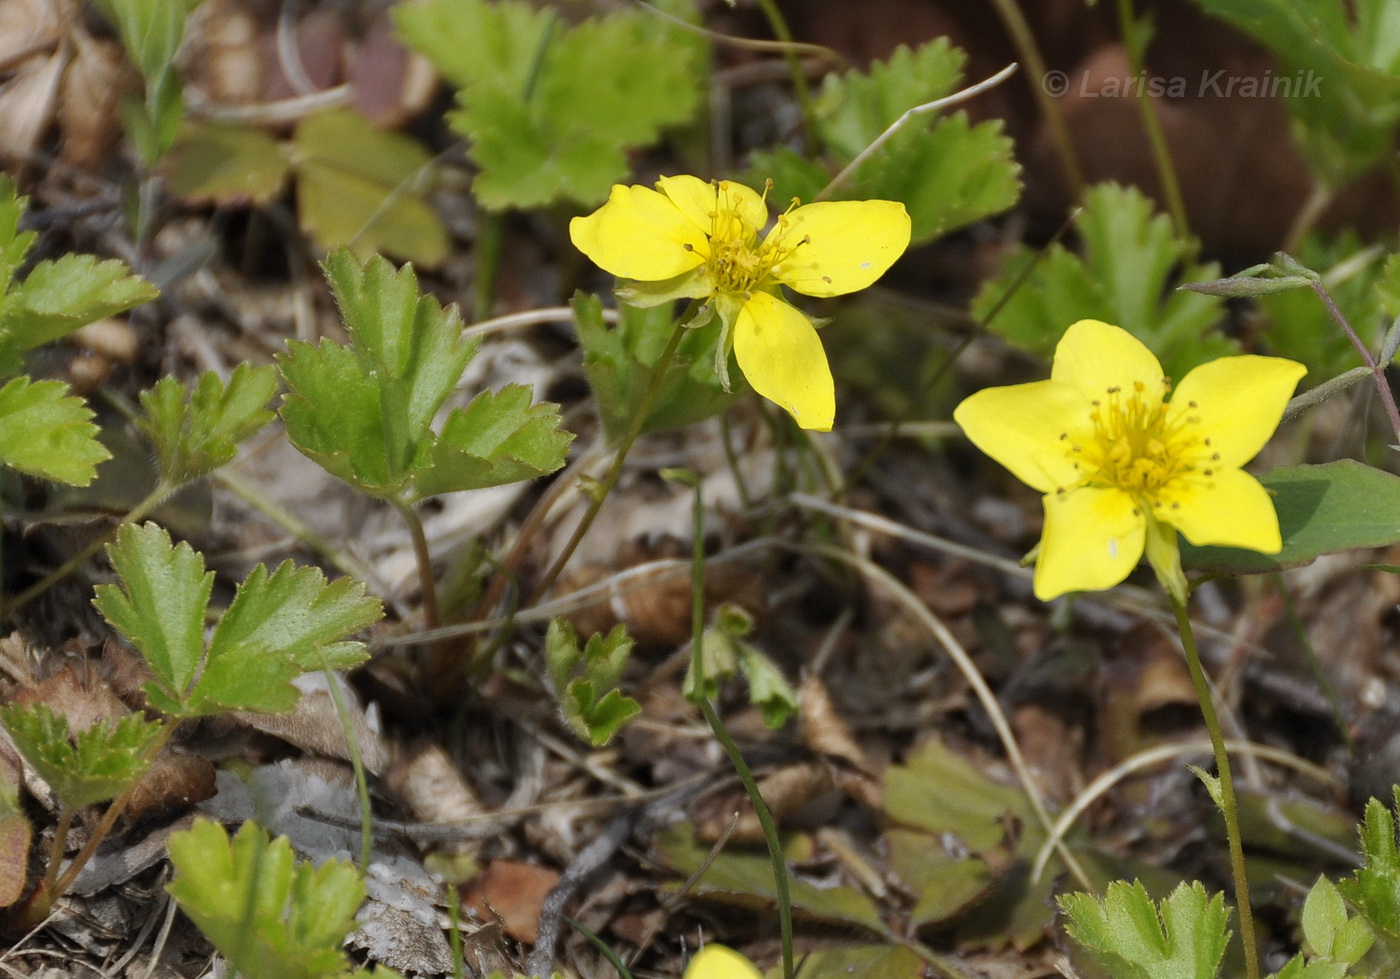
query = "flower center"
x=1136 y=445
x=739 y=262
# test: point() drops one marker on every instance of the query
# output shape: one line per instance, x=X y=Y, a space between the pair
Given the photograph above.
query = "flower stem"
x=599 y=495
x=736 y=757
x=1377 y=369
x=1227 y=787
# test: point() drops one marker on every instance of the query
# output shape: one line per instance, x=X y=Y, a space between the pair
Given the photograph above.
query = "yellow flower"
x=1123 y=468
x=698 y=240
x=718 y=962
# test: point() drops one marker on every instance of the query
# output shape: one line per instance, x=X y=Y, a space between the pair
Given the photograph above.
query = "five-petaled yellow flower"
x=700 y=240
x=1123 y=468
x=719 y=962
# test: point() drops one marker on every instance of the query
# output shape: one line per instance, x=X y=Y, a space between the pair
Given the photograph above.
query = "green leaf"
x=293 y=618
x=1336 y=506
x=769 y=690
x=225 y=164
x=584 y=680
x=551 y=109
x=1324 y=914
x=364 y=412
x=48 y=433
x=271 y=917
x=745 y=879
x=947 y=174
x=1130 y=265
x=620 y=362
x=195 y=431
x=333 y=416
x=1128 y=937
x=95 y=765
x=277 y=627
x=360 y=187
x=1374 y=890
x=499 y=438
x=160 y=604
x=61 y=295
x=1345 y=60
x=151 y=30
x=14 y=244
x=472 y=41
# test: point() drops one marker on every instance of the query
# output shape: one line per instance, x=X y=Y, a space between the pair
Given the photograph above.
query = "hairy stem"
x=1227 y=786
x=427 y=583
x=1376 y=368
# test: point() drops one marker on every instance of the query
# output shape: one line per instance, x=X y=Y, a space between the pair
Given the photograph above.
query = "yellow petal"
x=1229 y=508
x=1239 y=401
x=1092 y=539
x=1095 y=356
x=640 y=234
x=1021 y=427
x=835 y=247
x=719 y=962
x=781 y=355
x=704 y=202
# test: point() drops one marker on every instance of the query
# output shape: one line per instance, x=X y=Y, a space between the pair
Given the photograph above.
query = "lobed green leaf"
x=585 y=680
x=159 y=605
x=271 y=917
x=1128 y=936
x=1131 y=260
x=278 y=626
x=550 y=109
x=195 y=431
x=95 y=765
x=360 y=187
x=46 y=432
x=500 y=437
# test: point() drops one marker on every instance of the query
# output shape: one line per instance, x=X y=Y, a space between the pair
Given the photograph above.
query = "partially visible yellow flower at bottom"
x=1123 y=467
x=720 y=962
